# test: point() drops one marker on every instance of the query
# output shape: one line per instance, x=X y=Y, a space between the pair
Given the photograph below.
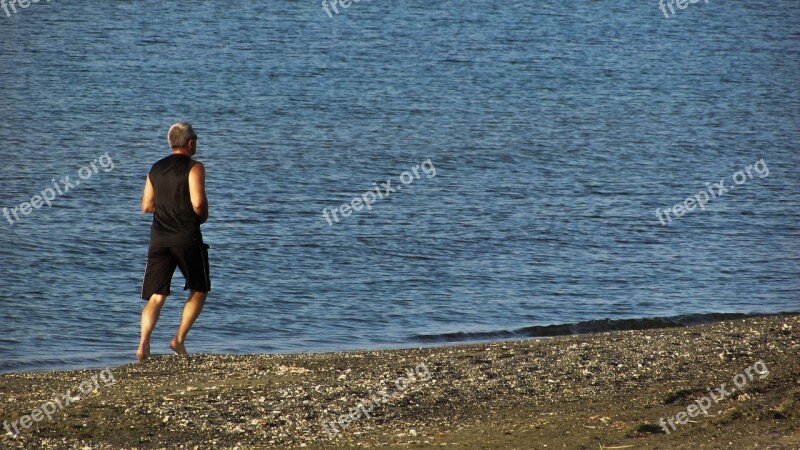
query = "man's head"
x=182 y=136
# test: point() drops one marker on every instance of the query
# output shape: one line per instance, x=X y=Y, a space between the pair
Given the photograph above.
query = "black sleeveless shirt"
x=175 y=223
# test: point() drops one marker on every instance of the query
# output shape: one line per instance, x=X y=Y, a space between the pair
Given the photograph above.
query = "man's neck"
x=181 y=151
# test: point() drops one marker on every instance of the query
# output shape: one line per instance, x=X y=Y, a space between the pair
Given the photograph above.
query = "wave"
x=590 y=326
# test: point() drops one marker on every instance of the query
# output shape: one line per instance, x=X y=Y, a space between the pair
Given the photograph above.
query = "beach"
x=733 y=384
x=399 y=173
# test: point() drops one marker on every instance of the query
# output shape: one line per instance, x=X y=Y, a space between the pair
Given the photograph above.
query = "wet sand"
x=578 y=392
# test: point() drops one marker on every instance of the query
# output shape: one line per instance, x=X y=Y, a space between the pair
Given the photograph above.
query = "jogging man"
x=176 y=195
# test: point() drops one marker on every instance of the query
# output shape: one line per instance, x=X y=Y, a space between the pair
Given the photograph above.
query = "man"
x=175 y=193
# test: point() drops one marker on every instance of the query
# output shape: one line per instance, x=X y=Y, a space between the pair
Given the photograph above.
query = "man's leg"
x=192 y=309
x=150 y=315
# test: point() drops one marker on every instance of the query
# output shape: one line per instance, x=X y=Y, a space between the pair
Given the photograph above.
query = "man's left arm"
x=197 y=191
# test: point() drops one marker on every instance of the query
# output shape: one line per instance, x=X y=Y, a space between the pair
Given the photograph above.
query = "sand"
x=599 y=391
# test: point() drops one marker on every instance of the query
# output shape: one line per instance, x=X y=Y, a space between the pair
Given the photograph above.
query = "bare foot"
x=143 y=352
x=178 y=347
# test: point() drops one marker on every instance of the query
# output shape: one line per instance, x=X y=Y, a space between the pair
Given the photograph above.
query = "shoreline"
x=580 y=391
x=586 y=327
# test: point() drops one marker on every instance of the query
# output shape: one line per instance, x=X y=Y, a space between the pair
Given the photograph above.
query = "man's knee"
x=199 y=296
x=158 y=299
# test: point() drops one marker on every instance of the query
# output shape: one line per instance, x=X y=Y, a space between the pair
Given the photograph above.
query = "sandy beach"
x=727 y=385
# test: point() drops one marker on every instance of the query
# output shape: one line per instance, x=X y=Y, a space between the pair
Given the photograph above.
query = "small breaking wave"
x=588 y=327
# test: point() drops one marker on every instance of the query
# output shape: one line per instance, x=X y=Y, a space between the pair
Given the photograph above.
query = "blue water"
x=555 y=129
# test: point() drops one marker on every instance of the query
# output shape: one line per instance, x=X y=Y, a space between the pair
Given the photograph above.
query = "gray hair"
x=180 y=134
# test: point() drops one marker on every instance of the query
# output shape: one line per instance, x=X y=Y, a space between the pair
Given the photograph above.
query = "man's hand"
x=197 y=191
x=148 y=198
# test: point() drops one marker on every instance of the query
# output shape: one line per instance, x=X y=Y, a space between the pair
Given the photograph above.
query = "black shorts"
x=161 y=264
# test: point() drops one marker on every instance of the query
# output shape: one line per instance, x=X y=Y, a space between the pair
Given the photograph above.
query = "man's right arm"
x=148 y=198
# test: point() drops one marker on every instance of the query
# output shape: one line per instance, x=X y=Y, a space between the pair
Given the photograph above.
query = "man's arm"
x=197 y=191
x=148 y=198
